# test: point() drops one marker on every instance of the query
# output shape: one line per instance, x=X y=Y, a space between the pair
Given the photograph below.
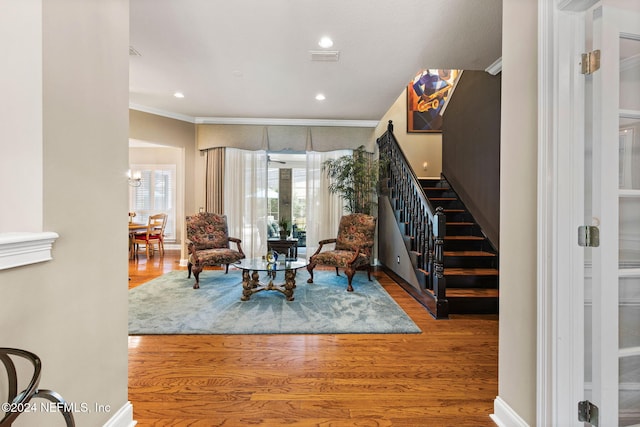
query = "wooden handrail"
x=421 y=221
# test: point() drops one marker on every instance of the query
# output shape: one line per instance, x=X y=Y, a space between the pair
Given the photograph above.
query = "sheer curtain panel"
x=245 y=184
x=324 y=209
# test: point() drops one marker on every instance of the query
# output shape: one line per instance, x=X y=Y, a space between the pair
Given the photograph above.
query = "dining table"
x=134 y=227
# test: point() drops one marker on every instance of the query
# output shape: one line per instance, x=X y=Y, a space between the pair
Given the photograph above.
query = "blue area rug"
x=169 y=305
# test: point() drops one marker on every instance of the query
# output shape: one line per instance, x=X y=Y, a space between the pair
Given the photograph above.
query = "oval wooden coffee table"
x=252 y=267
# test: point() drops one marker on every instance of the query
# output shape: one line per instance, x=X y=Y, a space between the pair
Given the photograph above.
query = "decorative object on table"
x=131 y=216
x=271 y=257
x=284 y=227
x=352 y=250
x=209 y=243
x=168 y=305
x=427 y=95
x=355 y=179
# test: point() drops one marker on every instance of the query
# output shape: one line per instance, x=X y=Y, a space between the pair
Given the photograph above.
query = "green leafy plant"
x=284 y=225
x=355 y=179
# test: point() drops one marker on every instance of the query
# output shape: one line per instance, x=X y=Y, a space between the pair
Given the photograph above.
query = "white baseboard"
x=122 y=418
x=504 y=416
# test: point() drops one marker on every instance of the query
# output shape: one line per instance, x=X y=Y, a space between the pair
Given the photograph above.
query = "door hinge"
x=588 y=412
x=589 y=236
x=590 y=62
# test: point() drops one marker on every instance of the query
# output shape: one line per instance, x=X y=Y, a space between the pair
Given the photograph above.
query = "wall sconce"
x=136 y=179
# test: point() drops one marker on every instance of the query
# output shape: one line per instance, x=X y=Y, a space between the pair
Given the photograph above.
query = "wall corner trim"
x=495 y=68
x=122 y=418
x=504 y=416
x=19 y=248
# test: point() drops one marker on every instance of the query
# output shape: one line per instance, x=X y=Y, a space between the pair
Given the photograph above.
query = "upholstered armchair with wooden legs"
x=352 y=249
x=209 y=243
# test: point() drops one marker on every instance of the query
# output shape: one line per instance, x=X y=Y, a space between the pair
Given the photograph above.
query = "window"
x=156 y=194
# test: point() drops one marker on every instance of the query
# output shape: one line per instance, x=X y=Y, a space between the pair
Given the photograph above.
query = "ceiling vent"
x=325 y=55
x=133 y=51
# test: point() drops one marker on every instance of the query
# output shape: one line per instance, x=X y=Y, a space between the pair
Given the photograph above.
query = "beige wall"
x=21 y=112
x=518 y=182
x=177 y=134
x=417 y=147
x=72 y=311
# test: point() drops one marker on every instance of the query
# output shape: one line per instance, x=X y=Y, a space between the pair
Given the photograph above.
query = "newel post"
x=439 y=282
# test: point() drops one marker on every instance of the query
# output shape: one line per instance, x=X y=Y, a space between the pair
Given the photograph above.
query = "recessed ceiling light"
x=320 y=97
x=325 y=42
x=179 y=95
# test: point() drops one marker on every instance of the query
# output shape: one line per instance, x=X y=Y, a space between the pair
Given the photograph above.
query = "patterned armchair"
x=352 y=250
x=208 y=244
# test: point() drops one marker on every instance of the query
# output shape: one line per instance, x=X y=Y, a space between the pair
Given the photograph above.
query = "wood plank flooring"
x=445 y=376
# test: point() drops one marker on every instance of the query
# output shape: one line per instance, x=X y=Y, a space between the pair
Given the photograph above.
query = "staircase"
x=470 y=261
x=455 y=265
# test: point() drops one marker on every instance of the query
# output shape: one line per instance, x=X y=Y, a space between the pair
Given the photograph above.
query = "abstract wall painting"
x=427 y=96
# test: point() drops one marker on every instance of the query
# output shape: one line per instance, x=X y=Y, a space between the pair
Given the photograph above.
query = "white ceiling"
x=250 y=59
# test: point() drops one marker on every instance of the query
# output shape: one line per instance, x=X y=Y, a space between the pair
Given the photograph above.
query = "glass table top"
x=259 y=264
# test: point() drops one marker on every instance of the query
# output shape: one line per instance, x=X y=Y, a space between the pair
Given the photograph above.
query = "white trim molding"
x=255 y=121
x=18 y=249
x=286 y=122
x=504 y=416
x=495 y=68
x=122 y=418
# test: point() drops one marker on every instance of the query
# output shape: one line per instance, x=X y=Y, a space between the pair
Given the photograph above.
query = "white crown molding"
x=495 y=68
x=256 y=121
x=286 y=122
x=158 y=112
x=18 y=249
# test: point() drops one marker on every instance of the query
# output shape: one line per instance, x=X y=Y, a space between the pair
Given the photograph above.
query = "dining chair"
x=161 y=231
x=151 y=236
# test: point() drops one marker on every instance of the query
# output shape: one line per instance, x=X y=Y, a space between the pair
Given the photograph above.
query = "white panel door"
x=612 y=202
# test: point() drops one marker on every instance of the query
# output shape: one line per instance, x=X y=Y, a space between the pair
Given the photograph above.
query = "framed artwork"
x=427 y=95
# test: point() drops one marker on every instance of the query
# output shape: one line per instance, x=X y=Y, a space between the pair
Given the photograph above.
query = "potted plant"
x=355 y=179
x=284 y=227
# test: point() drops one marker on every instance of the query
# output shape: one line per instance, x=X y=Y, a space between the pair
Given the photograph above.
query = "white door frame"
x=560 y=368
x=561 y=95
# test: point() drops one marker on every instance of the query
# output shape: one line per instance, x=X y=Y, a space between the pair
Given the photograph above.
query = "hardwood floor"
x=445 y=376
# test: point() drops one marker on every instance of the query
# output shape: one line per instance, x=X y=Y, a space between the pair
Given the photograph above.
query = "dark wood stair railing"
x=454 y=263
x=422 y=226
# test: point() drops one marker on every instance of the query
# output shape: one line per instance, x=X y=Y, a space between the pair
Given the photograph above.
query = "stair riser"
x=466 y=245
x=473 y=305
x=463 y=230
x=466 y=282
x=447 y=204
x=459 y=217
x=469 y=262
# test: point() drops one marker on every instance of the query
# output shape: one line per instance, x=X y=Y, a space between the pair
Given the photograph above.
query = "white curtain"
x=245 y=185
x=324 y=209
